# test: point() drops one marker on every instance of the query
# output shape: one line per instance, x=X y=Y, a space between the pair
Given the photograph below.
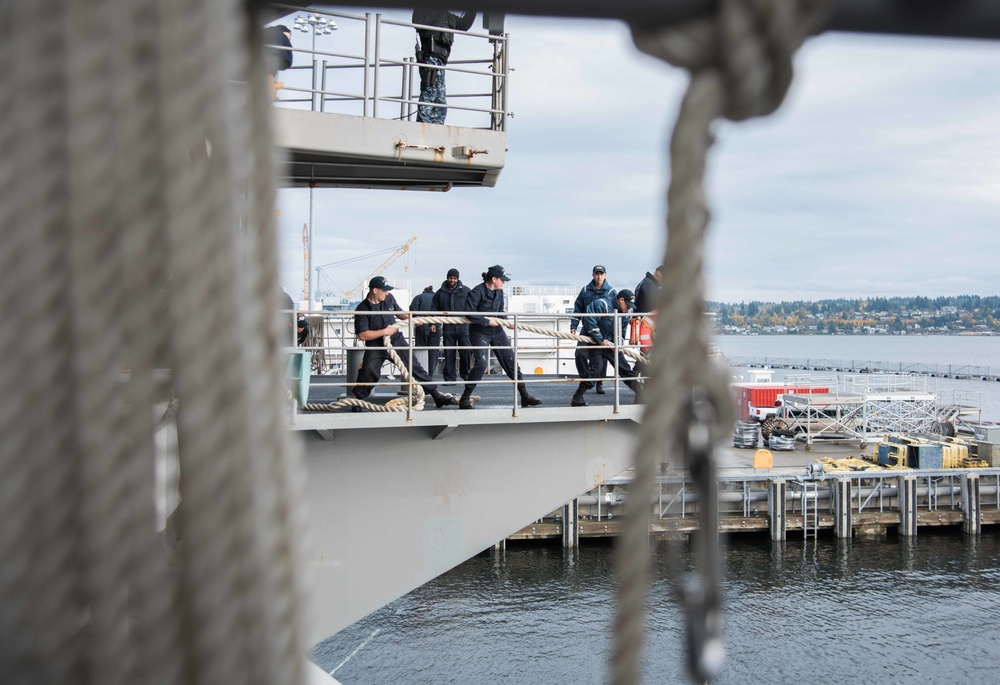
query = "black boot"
x=442 y=400
x=465 y=401
x=636 y=387
x=600 y=388
x=526 y=399
x=578 y=400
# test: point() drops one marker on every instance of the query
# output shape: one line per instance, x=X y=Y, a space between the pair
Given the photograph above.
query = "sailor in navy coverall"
x=371 y=328
x=602 y=330
x=487 y=297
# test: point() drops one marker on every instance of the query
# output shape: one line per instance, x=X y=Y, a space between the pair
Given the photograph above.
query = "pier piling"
x=777 y=495
x=570 y=525
x=972 y=521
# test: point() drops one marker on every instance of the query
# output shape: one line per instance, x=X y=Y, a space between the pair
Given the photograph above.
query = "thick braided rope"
x=224 y=517
x=562 y=335
x=390 y=406
x=282 y=475
x=106 y=527
x=40 y=598
x=155 y=622
x=740 y=64
x=132 y=91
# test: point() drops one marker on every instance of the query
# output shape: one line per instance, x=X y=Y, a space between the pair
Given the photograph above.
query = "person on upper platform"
x=279 y=50
x=485 y=305
x=433 y=50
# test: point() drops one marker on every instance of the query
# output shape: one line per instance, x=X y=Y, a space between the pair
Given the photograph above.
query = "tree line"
x=955 y=314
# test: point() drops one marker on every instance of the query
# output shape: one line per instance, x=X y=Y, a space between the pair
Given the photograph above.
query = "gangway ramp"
x=392 y=507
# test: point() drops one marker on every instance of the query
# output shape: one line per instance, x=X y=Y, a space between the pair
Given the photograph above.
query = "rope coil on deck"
x=416 y=402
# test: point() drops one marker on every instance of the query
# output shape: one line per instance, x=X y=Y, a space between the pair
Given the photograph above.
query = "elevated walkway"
x=348 y=118
x=345 y=151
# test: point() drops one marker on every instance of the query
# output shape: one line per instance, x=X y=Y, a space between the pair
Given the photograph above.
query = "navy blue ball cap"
x=497 y=271
x=380 y=283
x=628 y=296
x=599 y=269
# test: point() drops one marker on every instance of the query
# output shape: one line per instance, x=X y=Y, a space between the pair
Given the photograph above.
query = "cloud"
x=880 y=175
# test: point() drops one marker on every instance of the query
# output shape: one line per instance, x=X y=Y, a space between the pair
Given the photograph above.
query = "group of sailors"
x=467 y=346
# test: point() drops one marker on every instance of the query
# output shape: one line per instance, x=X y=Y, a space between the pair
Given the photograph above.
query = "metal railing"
x=548 y=360
x=384 y=74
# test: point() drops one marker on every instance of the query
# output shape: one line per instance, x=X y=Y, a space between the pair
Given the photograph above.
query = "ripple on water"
x=884 y=611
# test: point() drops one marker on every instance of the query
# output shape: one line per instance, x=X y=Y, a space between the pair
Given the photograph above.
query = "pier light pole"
x=316 y=25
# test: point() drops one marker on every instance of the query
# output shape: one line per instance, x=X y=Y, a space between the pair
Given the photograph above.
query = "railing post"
x=315 y=83
x=409 y=385
x=412 y=68
x=517 y=366
x=368 y=56
x=378 y=58
x=615 y=321
x=506 y=79
x=404 y=87
x=322 y=87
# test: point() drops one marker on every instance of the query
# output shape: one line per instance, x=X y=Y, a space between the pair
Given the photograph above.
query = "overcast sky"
x=880 y=175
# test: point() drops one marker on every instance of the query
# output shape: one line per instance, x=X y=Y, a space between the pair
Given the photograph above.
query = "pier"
x=959 y=371
x=779 y=504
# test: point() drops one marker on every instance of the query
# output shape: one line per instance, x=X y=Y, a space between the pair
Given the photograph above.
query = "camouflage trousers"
x=432 y=90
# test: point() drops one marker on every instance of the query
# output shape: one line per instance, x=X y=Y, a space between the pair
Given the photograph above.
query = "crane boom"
x=400 y=251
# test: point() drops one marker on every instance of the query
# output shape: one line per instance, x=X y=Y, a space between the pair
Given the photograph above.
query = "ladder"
x=810 y=509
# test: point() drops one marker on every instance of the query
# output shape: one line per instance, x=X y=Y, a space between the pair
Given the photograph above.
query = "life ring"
x=642 y=331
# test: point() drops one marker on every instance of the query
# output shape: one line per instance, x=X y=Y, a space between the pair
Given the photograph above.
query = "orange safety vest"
x=642 y=330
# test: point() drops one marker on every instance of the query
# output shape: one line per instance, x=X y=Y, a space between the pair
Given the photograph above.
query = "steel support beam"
x=390 y=510
x=939 y=18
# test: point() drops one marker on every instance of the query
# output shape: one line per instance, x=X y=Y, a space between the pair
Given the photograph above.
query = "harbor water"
x=826 y=611
x=817 y=611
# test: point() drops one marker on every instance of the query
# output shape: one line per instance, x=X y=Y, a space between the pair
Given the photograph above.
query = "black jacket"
x=647 y=294
x=439 y=42
x=482 y=299
x=451 y=300
x=381 y=317
x=276 y=59
x=423 y=303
